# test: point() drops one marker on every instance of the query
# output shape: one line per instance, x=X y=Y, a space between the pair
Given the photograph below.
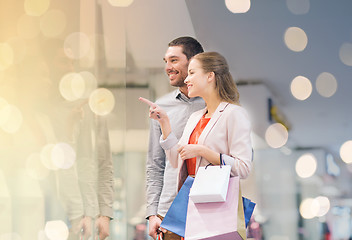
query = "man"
x=85 y=189
x=161 y=176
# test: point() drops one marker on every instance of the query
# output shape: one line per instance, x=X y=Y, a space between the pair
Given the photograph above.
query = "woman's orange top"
x=191 y=163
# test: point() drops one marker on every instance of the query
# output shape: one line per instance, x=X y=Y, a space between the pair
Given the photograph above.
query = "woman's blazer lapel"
x=190 y=126
x=218 y=112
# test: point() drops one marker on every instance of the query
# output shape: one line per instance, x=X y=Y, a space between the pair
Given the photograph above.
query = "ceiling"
x=253 y=43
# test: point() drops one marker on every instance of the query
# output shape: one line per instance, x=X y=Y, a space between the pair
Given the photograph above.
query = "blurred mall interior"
x=63 y=60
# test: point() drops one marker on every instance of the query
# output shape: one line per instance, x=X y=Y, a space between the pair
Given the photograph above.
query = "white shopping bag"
x=210 y=184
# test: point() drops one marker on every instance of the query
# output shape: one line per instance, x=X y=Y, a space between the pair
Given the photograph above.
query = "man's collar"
x=182 y=96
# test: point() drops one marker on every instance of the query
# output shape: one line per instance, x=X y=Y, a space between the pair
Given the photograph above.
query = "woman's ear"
x=211 y=76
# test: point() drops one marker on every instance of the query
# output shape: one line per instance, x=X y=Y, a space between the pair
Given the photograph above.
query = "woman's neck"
x=212 y=103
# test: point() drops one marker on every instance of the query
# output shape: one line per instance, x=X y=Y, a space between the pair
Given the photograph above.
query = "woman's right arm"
x=168 y=141
x=157 y=113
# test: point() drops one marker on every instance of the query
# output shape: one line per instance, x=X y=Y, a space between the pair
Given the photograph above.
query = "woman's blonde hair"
x=224 y=83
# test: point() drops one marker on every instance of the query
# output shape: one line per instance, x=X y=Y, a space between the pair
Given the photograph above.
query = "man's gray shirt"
x=161 y=176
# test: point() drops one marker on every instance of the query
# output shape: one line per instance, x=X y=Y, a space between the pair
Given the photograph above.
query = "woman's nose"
x=186 y=80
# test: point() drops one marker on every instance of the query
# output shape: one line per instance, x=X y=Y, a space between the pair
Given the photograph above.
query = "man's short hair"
x=190 y=46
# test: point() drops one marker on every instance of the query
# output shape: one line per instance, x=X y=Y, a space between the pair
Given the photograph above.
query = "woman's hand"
x=189 y=151
x=157 y=113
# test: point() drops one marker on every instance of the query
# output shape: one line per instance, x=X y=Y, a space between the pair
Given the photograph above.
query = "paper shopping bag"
x=210 y=184
x=217 y=221
x=175 y=218
x=248 y=208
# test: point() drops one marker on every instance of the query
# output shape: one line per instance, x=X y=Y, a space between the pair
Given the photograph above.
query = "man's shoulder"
x=167 y=99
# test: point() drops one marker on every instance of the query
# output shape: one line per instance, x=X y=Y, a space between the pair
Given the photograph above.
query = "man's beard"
x=178 y=83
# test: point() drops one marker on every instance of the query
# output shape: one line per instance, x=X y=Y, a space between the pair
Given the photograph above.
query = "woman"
x=218 y=134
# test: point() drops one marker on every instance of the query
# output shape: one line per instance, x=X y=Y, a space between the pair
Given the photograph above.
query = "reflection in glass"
x=14 y=120
x=19 y=49
x=53 y=23
x=101 y=101
x=77 y=45
x=6 y=56
x=72 y=86
x=28 y=27
x=35 y=168
x=36 y=7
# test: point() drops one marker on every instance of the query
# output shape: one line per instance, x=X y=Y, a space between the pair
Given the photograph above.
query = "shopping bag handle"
x=211 y=165
x=221 y=162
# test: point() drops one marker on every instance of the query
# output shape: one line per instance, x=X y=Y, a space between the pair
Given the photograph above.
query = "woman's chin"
x=192 y=95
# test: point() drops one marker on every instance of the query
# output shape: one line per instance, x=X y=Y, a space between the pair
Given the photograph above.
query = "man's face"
x=176 y=64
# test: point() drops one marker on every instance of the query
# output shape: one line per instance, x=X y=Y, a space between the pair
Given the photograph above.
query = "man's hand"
x=85 y=226
x=102 y=225
x=154 y=224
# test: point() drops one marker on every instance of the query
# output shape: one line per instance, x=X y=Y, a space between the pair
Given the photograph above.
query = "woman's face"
x=196 y=80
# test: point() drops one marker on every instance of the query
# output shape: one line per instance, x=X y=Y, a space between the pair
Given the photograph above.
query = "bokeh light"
x=6 y=56
x=14 y=119
x=276 y=135
x=295 y=39
x=301 y=87
x=63 y=156
x=35 y=168
x=72 y=86
x=298 y=6
x=324 y=205
x=349 y=167
x=306 y=165
x=4 y=111
x=345 y=53
x=19 y=48
x=46 y=157
x=326 y=84
x=90 y=83
x=36 y=7
x=77 y=45
x=101 y=101
x=10 y=236
x=56 y=230
x=41 y=235
x=346 y=152
x=120 y=3
x=238 y=6
x=53 y=23
x=28 y=27
x=309 y=208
